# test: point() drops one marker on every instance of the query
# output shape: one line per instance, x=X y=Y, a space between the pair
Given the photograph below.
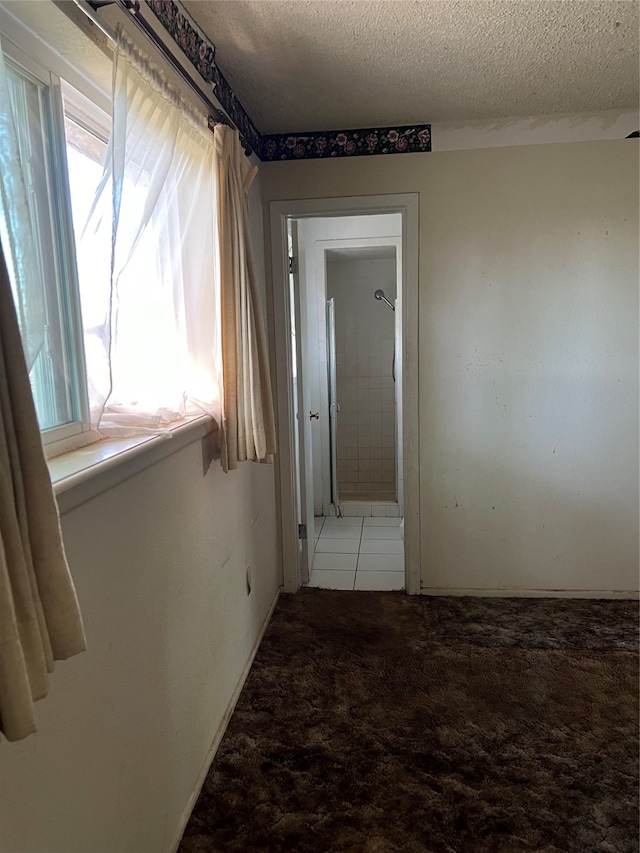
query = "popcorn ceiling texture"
x=304 y=65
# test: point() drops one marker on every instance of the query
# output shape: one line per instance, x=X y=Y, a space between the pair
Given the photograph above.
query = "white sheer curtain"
x=148 y=261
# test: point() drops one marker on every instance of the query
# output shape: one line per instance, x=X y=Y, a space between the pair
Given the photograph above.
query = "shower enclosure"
x=363 y=330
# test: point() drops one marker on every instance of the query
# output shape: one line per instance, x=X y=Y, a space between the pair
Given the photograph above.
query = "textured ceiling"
x=319 y=64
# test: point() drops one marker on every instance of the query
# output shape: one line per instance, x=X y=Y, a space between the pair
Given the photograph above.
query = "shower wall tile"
x=366 y=390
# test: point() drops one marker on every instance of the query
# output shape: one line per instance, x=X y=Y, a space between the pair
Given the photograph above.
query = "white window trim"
x=62 y=439
x=30 y=68
x=36 y=57
x=84 y=473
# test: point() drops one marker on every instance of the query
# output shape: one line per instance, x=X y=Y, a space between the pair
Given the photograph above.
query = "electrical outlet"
x=248 y=580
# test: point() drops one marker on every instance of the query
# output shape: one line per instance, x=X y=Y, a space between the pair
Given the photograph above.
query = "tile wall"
x=365 y=333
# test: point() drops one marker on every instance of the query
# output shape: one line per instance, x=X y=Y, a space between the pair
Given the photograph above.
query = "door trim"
x=407 y=204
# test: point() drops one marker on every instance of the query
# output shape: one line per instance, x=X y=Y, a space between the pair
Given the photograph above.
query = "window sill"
x=82 y=474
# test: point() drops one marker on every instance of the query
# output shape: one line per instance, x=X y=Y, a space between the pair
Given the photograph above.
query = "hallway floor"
x=358 y=553
x=374 y=722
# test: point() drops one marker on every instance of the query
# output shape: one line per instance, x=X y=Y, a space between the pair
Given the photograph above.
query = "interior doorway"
x=363 y=285
x=346 y=297
x=343 y=280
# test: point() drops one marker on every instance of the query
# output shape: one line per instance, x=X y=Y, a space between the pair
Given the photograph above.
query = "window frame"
x=77 y=432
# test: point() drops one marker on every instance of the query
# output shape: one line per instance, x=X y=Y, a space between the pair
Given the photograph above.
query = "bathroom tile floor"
x=358 y=553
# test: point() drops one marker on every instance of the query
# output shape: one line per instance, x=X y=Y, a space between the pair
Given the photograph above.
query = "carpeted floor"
x=373 y=722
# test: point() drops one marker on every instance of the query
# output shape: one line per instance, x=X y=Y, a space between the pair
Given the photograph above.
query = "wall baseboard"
x=506 y=592
x=222 y=727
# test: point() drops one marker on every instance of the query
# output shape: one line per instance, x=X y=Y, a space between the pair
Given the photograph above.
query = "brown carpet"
x=374 y=722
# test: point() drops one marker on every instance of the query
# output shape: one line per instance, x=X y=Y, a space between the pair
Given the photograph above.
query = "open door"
x=303 y=413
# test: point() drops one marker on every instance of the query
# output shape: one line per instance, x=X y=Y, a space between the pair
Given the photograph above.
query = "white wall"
x=528 y=347
x=533 y=130
x=159 y=564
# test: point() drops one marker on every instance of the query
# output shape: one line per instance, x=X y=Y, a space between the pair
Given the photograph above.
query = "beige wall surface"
x=528 y=348
x=159 y=564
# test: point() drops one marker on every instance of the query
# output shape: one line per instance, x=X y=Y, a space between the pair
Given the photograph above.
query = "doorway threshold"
x=365 y=509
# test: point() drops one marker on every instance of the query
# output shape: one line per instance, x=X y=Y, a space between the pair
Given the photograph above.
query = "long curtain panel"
x=39 y=616
x=248 y=425
x=148 y=260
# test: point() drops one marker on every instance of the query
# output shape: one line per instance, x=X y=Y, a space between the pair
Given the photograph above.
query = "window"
x=110 y=228
x=37 y=239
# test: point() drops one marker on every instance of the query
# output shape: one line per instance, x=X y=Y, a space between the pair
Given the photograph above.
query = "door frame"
x=304 y=443
x=321 y=247
x=407 y=204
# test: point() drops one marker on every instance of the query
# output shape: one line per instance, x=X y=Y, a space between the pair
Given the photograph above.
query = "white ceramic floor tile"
x=337 y=546
x=318 y=526
x=380 y=562
x=379 y=532
x=379 y=580
x=381 y=521
x=340 y=533
x=335 y=562
x=382 y=546
x=331 y=580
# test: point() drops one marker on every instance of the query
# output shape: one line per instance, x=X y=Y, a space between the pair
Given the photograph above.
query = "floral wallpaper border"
x=200 y=51
x=347 y=143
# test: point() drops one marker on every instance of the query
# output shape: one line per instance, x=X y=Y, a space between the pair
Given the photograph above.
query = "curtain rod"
x=132 y=7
